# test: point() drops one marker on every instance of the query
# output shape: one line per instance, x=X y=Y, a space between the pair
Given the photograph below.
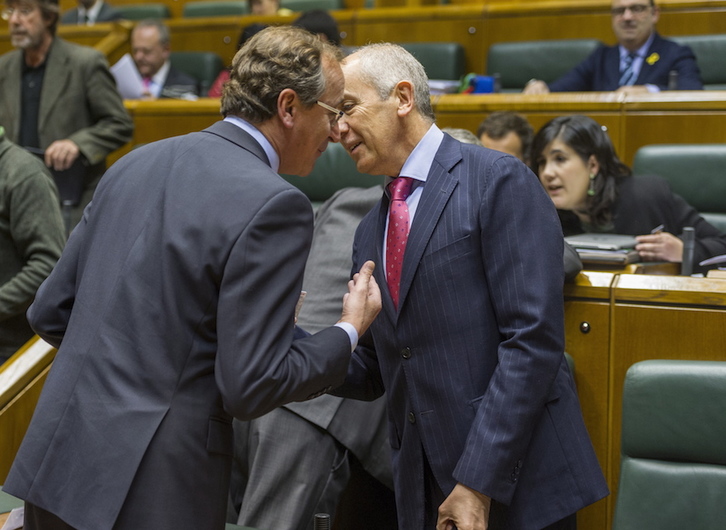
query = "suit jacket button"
x=406 y=353
x=411 y=417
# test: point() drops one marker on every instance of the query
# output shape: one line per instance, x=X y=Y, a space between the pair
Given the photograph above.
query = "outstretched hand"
x=362 y=302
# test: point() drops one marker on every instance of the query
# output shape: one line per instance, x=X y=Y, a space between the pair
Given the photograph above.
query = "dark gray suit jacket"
x=172 y=306
x=472 y=362
x=358 y=425
x=78 y=101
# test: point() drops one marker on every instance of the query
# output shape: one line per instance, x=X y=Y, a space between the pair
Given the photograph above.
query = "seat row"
x=217 y=9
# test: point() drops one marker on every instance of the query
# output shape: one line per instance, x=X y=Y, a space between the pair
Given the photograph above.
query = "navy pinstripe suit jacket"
x=472 y=362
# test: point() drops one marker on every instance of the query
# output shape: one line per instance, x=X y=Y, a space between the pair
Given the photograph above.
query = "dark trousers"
x=40 y=519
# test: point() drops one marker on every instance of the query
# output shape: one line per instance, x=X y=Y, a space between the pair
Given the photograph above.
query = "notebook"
x=602 y=241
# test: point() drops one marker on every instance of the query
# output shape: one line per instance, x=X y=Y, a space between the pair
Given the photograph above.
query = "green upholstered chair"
x=334 y=170
x=710 y=52
x=143 y=11
x=203 y=66
x=518 y=62
x=215 y=9
x=441 y=60
x=673 y=454
x=308 y=5
x=696 y=172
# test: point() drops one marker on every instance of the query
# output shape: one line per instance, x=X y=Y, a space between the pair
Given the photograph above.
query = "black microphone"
x=689 y=237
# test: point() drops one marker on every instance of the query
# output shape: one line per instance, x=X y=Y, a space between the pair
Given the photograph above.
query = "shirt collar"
x=160 y=77
x=419 y=162
x=261 y=139
x=640 y=52
x=92 y=13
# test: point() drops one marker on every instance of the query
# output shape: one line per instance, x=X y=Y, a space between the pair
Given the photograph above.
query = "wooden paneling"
x=462 y=24
x=587 y=330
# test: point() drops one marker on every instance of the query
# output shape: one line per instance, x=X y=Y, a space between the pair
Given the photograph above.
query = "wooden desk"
x=21 y=380
x=613 y=320
x=633 y=121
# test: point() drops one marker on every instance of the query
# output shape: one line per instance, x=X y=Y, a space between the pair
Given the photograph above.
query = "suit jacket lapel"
x=646 y=69
x=10 y=99
x=55 y=81
x=440 y=184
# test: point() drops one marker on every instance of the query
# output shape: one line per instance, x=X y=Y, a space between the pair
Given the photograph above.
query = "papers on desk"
x=128 y=79
x=605 y=249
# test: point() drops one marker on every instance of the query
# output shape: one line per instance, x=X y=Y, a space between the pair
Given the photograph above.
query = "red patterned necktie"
x=398 y=221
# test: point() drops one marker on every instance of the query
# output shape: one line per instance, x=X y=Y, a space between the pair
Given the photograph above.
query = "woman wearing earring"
x=595 y=192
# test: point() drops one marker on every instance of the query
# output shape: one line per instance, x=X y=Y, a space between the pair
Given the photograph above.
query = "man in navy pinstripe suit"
x=484 y=420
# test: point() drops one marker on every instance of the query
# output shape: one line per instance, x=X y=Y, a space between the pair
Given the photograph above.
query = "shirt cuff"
x=652 y=88
x=352 y=333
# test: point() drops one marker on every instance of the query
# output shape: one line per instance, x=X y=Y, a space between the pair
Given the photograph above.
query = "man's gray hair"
x=384 y=65
x=163 y=29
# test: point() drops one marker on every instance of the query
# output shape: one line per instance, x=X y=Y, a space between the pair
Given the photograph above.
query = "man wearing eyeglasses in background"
x=58 y=97
x=642 y=61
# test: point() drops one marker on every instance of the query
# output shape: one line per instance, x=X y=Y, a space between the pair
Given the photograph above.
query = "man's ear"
x=287 y=103
x=404 y=94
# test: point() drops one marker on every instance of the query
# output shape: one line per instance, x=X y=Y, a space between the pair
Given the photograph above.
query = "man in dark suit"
x=90 y=12
x=484 y=420
x=150 y=49
x=173 y=304
x=59 y=97
x=642 y=61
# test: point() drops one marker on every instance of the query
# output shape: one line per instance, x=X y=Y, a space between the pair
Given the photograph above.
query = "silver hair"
x=383 y=65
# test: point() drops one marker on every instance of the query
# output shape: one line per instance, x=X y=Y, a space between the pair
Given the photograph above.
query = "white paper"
x=128 y=79
x=14 y=520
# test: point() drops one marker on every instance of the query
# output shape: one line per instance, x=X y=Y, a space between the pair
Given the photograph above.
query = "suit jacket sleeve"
x=689 y=76
x=50 y=312
x=111 y=125
x=521 y=251
x=259 y=366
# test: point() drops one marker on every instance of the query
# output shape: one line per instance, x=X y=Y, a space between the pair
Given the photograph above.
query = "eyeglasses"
x=23 y=11
x=338 y=113
x=635 y=9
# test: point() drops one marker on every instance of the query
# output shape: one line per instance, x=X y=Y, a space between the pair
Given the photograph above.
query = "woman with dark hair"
x=595 y=192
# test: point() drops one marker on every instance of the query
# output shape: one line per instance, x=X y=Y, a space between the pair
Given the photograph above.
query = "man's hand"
x=61 y=154
x=464 y=509
x=362 y=302
x=535 y=86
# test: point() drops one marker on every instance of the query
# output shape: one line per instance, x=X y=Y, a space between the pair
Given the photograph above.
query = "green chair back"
x=696 y=172
x=518 y=62
x=673 y=451
x=334 y=170
x=144 y=11
x=215 y=9
x=203 y=66
x=710 y=52
x=441 y=60
x=308 y=5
